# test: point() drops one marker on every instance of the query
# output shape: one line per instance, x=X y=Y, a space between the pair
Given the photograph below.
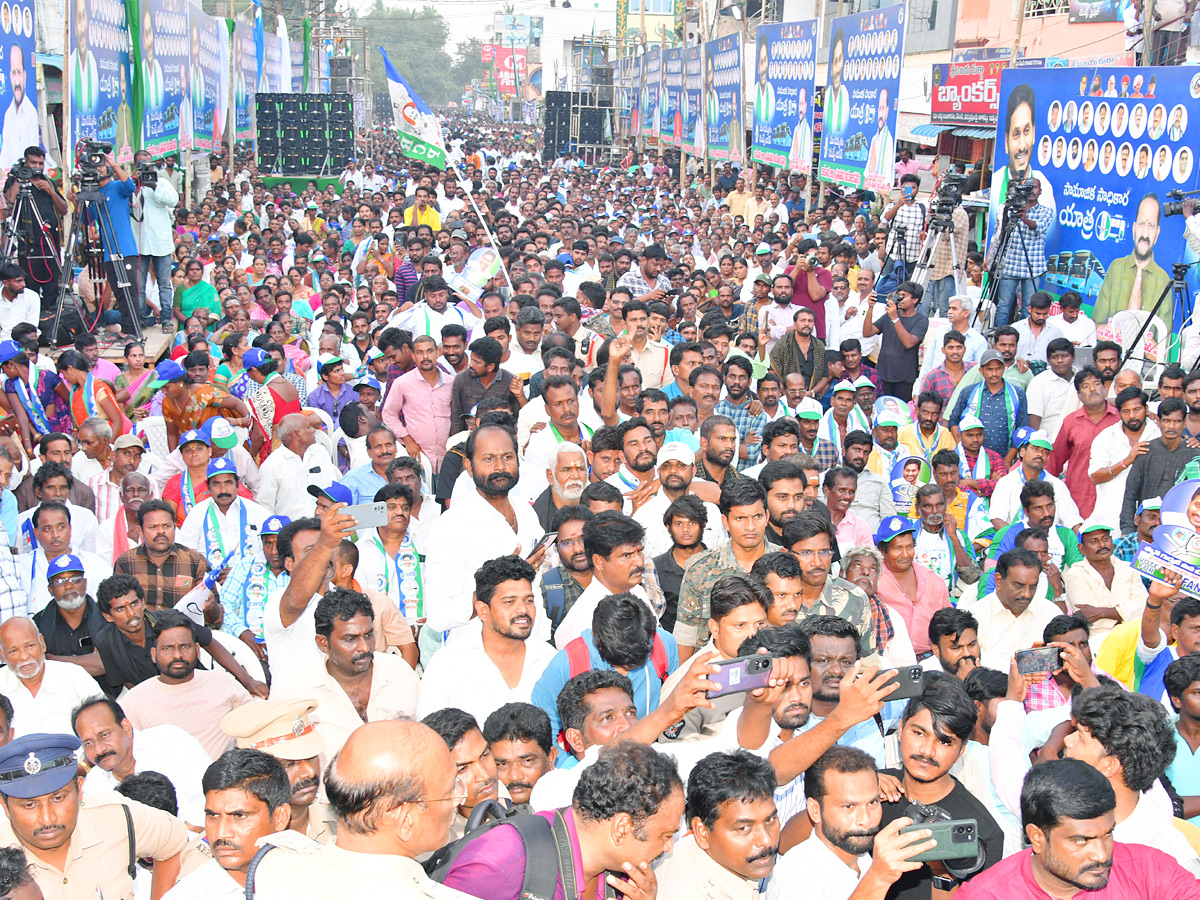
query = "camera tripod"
x=92 y=211
x=1182 y=297
x=939 y=231
x=26 y=229
x=1011 y=214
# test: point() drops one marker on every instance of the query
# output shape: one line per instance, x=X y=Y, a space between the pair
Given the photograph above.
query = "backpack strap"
x=579 y=657
x=543 y=859
x=253 y=868
x=658 y=656
x=555 y=595
x=131 y=868
x=566 y=859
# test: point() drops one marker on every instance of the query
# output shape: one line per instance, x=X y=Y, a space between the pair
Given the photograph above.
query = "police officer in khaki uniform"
x=80 y=852
x=284 y=729
x=394 y=789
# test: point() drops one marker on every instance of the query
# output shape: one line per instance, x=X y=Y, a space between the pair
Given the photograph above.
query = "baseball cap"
x=678 y=451
x=254 y=357
x=194 y=436
x=336 y=493
x=887 y=418
x=368 y=381
x=68 y=562
x=1149 y=503
x=1094 y=525
x=221 y=466
x=808 y=408
x=892 y=526
x=126 y=441
x=220 y=433
x=843 y=385
x=9 y=350
x=274 y=525
x=1039 y=439
x=990 y=356
x=969 y=423
x=763 y=277
x=326 y=360
x=165 y=372
x=863 y=381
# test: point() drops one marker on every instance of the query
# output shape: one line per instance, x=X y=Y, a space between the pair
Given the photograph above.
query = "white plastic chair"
x=155 y=430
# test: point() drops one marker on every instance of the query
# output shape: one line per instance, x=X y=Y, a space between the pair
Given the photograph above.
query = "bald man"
x=405 y=770
x=43 y=691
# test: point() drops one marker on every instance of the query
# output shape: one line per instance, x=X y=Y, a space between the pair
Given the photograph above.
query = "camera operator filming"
x=1018 y=258
x=152 y=210
x=948 y=226
x=34 y=224
x=907 y=214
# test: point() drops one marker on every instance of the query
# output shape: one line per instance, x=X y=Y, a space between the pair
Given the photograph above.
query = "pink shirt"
x=932 y=595
x=1138 y=873
x=413 y=408
x=854 y=532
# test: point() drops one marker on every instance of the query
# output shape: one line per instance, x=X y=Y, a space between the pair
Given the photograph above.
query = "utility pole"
x=1016 y=47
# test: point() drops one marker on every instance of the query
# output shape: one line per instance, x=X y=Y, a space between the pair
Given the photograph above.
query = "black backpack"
x=547 y=849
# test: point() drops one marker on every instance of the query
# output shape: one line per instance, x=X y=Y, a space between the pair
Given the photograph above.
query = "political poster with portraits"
x=785 y=72
x=244 y=72
x=1107 y=148
x=208 y=71
x=271 y=78
x=635 y=95
x=18 y=82
x=670 y=115
x=693 y=101
x=651 y=85
x=1176 y=543
x=858 y=143
x=908 y=475
x=296 y=56
x=161 y=57
x=726 y=137
x=99 y=77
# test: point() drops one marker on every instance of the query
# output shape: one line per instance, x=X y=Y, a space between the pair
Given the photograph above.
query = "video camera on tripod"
x=1020 y=192
x=947 y=199
x=90 y=158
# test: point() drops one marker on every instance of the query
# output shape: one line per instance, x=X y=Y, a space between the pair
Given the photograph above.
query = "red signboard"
x=510 y=69
x=488 y=50
x=966 y=93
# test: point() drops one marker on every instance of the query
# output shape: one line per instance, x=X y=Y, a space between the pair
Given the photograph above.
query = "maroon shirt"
x=1074 y=445
x=800 y=295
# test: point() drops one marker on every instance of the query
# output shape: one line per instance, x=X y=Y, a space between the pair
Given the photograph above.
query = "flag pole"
x=483 y=222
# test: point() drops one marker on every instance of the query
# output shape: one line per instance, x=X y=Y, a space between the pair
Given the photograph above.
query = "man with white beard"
x=568 y=476
x=562 y=406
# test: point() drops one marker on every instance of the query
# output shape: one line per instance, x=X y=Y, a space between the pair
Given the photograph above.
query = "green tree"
x=467 y=63
x=415 y=40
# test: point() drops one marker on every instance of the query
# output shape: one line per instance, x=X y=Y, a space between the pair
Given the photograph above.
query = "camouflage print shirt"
x=846 y=601
x=702 y=572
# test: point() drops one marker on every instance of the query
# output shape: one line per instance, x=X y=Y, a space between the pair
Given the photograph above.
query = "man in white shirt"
x=1051 y=394
x=433 y=312
x=17 y=302
x=20 y=119
x=299 y=463
x=1005 y=505
x=1077 y=328
x=52 y=527
x=115 y=751
x=1115 y=449
x=43 y=691
x=500 y=648
x=676 y=466
x=1012 y=617
x=223 y=526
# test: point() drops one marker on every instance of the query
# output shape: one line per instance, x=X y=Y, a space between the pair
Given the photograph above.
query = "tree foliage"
x=415 y=40
x=467 y=63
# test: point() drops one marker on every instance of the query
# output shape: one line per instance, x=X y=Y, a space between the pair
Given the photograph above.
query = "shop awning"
x=930 y=131
x=979 y=134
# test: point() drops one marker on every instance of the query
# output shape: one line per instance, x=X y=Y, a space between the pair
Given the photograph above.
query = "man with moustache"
x=1012 y=617
x=738 y=372
x=474 y=761
x=568 y=476
x=43 y=691
x=1073 y=445
x=734 y=831
x=223 y=526
x=284 y=729
x=676 y=468
x=639 y=454
x=519 y=738
x=121 y=531
x=873 y=498
x=115 y=751
x=363 y=481
x=561 y=395
x=954 y=637
x=1115 y=448
x=1135 y=282
x=246 y=803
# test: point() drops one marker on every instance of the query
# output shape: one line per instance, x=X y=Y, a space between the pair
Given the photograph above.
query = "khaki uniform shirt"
x=98 y=859
x=689 y=873
x=322 y=823
x=334 y=872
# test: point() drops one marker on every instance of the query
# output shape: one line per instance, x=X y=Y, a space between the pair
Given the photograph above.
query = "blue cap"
x=274 y=525
x=368 y=381
x=68 y=562
x=194 y=436
x=221 y=466
x=255 y=357
x=1022 y=435
x=167 y=371
x=891 y=527
x=9 y=350
x=37 y=764
x=336 y=492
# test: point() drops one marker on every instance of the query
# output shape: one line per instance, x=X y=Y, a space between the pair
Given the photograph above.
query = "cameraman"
x=951 y=248
x=38 y=259
x=152 y=211
x=908 y=214
x=115 y=227
x=1025 y=256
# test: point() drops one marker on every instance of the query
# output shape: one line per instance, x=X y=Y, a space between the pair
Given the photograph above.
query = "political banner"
x=1176 y=542
x=691 y=101
x=1097 y=10
x=966 y=93
x=858 y=145
x=245 y=80
x=271 y=78
x=208 y=73
x=909 y=474
x=1120 y=58
x=1107 y=165
x=635 y=93
x=160 y=56
x=786 y=71
x=99 y=76
x=296 y=52
x=482 y=266
x=725 y=136
x=18 y=92
x=651 y=85
x=671 y=113
x=509 y=66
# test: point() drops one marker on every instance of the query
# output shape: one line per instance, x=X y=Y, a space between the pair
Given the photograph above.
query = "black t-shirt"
x=45 y=205
x=670 y=578
x=897 y=362
x=126 y=663
x=63 y=640
x=960 y=804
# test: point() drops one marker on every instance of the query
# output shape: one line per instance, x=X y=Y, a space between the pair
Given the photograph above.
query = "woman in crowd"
x=276 y=398
x=89 y=395
x=133 y=384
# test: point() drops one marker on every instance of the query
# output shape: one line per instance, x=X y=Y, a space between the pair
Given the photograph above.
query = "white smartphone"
x=367 y=515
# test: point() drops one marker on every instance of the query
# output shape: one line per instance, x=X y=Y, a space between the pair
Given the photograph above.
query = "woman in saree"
x=39 y=399
x=298 y=360
x=230 y=374
x=133 y=384
x=276 y=398
x=89 y=395
x=188 y=405
x=195 y=292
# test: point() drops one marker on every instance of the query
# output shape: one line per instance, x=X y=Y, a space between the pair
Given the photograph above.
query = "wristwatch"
x=944 y=882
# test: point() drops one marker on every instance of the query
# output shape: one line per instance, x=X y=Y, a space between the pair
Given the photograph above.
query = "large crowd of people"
x=667 y=558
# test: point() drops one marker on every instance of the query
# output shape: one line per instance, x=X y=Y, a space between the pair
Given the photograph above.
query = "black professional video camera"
x=89 y=159
x=23 y=172
x=146 y=175
x=1174 y=206
x=1020 y=192
x=948 y=199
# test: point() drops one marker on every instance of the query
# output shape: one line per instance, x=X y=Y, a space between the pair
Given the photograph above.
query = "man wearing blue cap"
x=250 y=581
x=81 y=852
x=223 y=527
x=1033 y=448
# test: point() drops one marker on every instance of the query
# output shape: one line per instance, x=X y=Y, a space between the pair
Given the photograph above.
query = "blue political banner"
x=98 y=74
x=18 y=82
x=670 y=128
x=651 y=80
x=1107 y=164
x=785 y=70
x=271 y=79
x=858 y=141
x=207 y=98
x=726 y=137
x=692 y=101
x=244 y=73
x=296 y=54
x=635 y=90
x=163 y=60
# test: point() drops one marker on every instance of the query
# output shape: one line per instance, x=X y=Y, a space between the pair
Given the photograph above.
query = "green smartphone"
x=956 y=839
